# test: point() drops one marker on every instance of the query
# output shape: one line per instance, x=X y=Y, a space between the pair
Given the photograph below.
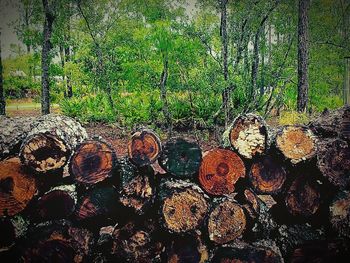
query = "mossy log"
x=93 y=161
x=181 y=158
x=333 y=160
x=267 y=175
x=339 y=212
x=50 y=142
x=219 y=171
x=183 y=206
x=296 y=143
x=144 y=147
x=17 y=187
x=248 y=135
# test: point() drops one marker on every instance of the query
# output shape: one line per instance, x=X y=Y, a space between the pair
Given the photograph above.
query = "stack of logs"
x=266 y=195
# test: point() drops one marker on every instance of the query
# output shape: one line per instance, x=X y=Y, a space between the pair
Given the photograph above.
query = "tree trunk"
x=46 y=58
x=303 y=40
x=2 y=95
x=68 y=58
x=163 y=95
x=219 y=171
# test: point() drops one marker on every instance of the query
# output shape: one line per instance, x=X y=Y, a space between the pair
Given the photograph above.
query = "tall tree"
x=45 y=56
x=303 y=39
x=2 y=98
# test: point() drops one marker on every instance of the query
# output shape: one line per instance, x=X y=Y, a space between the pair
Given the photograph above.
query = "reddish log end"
x=219 y=171
x=144 y=148
x=17 y=187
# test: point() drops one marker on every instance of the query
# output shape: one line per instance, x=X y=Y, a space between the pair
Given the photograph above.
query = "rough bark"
x=303 y=40
x=12 y=133
x=248 y=134
x=144 y=147
x=183 y=206
x=226 y=222
x=46 y=58
x=296 y=143
x=2 y=95
x=93 y=161
x=68 y=57
x=219 y=171
x=181 y=158
x=17 y=187
x=333 y=160
x=339 y=212
x=50 y=142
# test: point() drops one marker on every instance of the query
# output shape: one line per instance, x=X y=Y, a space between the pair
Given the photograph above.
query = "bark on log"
x=92 y=162
x=98 y=201
x=50 y=142
x=17 y=187
x=296 y=143
x=12 y=229
x=267 y=175
x=181 y=158
x=219 y=171
x=12 y=132
x=248 y=134
x=144 y=147
x=136 y=187
x=137 y=242
x=333 y=160
x=58 y=203
x=57 y=242
x=303 y=198
x=226 y=222
x=332 y=124
x=183 y=206
x=339 y=211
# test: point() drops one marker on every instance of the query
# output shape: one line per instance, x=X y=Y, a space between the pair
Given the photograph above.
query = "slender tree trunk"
x=45 y=59
x=2 y=98
x=303 y=40
x=67 y=56
x=163 y=91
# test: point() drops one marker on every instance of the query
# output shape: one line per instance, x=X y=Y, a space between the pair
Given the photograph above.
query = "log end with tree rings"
x=183 y=208
x=93 y=161
x=219 y=171
x=339 y=211
x=267 y=175
x=333 y=160
x=226 y=222
x=17 y=187
x=144 y=147
x=44 y=152
x=303 y=198
x=296 y=143
x=249 y=135
x=181 y=158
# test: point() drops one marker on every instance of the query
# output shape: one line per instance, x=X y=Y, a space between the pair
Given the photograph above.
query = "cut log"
x=296 y=143
x=92 y=162
x=226 y=222
x=136 y=188
x=11 y=229
x=137 y=243
x=248 y=134
x=186 y=249
x=144 y=147
x=17 y=187
x=57 y=242
x=267 y=175
x=12 y=132
x=333 y=160
x=98 y=201
x=181 y=158
x=333 y=124
x=183 y=206
x=50 y=142
x=339 y=211
x=58 y=203
x=219 y=171
x=303 y=198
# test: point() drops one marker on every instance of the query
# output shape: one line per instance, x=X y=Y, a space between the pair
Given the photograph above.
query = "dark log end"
x=226 y=222
x=219 y=171
x=144 y=148
x=339 y=211
x=17 y=187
